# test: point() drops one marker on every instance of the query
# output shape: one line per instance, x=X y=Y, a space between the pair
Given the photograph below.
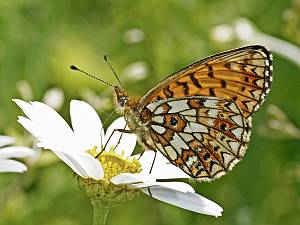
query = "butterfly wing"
x=243 y=75
x=204 y=136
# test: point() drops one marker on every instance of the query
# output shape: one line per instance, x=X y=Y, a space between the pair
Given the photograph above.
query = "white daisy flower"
x=79 y=148
x=7 y=152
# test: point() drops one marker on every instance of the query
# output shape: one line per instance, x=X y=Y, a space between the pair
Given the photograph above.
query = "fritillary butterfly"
x=200 y=116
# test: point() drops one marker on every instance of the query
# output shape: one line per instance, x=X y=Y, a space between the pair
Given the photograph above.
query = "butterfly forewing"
x=242 y=75
x=204 y=136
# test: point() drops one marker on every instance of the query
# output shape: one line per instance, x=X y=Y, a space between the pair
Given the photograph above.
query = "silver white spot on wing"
x=159 y=110
x=211 y=103
x=216 y=168
x=179 y=105
x=191 y=160
x=234 y=146
x=233 y=108
x=151 y=106
x=186 y=137
x=256 y=93
x=191 y=112
x=161 y=148
x=195 y=127
x=158 y=119
x=250 y=105
x=158 y=129
x=178 y=143
x=237 y=120
x=191 y=118
x=260 y=83
x=210 y=122
x=198 y=136
x=171 y=152
x=259 y=71
x=227 y=159
x=213 y=113
x=237 y=132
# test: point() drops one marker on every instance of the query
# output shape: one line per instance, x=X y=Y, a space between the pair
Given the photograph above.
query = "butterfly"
x=200 y=117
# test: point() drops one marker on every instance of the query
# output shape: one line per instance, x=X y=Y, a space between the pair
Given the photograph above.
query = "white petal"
x=8 y=165
x=84 y=164
x=6 y=140
x=179 y=186
x=16 y=152
x=86 y=124
x=130 y=178
x=127 y=142
x=146 y=160
x=186 y=200
x=29 y=126
x=162 y=168
x=139 y=180
x=168 y=171
x=48 y=127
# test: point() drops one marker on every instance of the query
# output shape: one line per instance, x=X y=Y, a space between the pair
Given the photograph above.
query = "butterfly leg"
x=153 y=162
x=115 y=130
x=122 y=132
x=141 y=155
x=149 y=192
x=146 y=146
x=155 y=152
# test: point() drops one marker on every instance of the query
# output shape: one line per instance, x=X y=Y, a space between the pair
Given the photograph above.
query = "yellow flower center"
x=113 y=164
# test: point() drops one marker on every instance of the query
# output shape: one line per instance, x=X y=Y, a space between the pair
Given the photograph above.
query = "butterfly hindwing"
x=204 y=136
x=241 y=75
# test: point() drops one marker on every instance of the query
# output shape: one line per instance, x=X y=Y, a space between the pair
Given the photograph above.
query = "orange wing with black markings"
x=204 y=136
x=243 y=75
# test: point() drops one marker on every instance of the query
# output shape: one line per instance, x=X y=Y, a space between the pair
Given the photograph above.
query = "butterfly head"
x=120 y=98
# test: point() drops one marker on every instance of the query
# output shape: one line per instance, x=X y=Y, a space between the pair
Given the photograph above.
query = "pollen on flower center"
x=112 y=164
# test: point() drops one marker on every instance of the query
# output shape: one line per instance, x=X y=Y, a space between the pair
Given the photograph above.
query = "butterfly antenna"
x=109 y=64
x=72 y=67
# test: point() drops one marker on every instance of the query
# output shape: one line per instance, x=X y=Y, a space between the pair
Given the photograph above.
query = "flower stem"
x=101 y=211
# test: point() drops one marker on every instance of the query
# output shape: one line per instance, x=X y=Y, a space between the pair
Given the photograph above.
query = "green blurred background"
x=146 y=41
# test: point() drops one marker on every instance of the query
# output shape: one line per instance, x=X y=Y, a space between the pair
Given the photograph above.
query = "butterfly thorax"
x=128 y=106
x=132 y=116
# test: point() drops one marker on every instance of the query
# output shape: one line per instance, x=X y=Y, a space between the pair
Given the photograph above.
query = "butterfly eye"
x=122 y=101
